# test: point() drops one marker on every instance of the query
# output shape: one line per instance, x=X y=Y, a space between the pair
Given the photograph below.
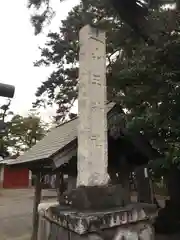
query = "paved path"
x=16 y=213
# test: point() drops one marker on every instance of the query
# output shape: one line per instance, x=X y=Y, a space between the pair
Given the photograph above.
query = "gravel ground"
x=16 y=213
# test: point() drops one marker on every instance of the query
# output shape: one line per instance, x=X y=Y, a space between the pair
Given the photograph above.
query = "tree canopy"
x=143 y=79
x=17 y=132
x=133 y=12
x=24 y=132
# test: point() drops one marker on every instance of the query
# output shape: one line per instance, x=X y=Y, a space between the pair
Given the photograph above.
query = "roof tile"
x=55 y=140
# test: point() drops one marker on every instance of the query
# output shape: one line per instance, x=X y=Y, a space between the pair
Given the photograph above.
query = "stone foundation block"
x=82 y=198
x=133 y=222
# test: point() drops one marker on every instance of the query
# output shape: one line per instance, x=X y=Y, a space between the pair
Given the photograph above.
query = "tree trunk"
x=124 y=174
x=174 y=185
x=178 y=5
x=59 y=185
x=144 y=185
x=168 y=220
x=37 y=199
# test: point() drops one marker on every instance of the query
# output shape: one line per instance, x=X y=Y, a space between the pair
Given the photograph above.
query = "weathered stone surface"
x=98 y=197
x=44 y=225
x=128 y=223
x=90 y=221
x=142 y=231
x=43 y=207
x=92 y=130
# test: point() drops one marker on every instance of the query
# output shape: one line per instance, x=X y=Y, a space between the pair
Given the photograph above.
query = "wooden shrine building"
x=60 y=144
x=57 y=152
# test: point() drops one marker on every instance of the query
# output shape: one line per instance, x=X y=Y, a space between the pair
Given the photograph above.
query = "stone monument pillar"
x=92 y=129
x=97 y=210
x=93 y=178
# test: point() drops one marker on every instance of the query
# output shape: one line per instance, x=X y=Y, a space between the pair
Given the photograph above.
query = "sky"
x=19 y=49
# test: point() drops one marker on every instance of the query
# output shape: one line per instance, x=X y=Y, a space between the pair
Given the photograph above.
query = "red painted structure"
x=15 y=178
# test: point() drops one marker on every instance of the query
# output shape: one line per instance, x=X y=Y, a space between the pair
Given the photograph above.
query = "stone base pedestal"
x=97 y=197
x=133 y=222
